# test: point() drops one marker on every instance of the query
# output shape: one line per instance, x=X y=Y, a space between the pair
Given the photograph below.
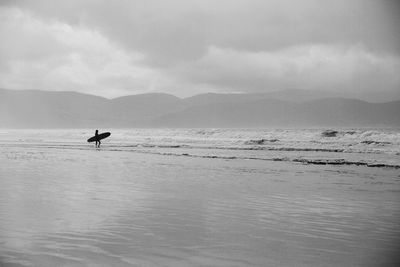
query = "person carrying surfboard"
x=97 y=137
x=96 y=134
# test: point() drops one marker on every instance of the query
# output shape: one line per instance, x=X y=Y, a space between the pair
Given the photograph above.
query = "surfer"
x=96 y=134
x=97 y=137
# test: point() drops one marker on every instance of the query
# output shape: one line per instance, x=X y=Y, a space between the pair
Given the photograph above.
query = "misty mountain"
x=42 y=109
x=34 y=108
x=294 y=95
x=142 y=108
x=274 y=112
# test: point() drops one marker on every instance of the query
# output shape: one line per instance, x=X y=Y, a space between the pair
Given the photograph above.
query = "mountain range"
x=288 y=108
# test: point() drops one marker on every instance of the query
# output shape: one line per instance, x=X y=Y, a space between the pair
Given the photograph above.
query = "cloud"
x=174 y=30
x=306 y=67
x=58 y=56
x=188 y=46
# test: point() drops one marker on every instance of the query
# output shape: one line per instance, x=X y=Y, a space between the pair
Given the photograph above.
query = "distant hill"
x=285 y=95
x=273 y=112
x=43 y=109
x=141 y=109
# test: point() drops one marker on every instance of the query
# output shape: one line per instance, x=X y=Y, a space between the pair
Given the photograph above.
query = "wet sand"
x=70 y=207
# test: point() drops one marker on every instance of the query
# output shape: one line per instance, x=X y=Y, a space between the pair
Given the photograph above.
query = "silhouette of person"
x=98 y=143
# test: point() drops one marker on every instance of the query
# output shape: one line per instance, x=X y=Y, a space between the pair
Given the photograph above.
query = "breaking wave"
x=299 y=160
x=260 y=141
x=362 y=147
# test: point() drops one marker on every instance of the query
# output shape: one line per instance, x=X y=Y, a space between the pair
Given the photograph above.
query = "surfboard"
x=99 y=137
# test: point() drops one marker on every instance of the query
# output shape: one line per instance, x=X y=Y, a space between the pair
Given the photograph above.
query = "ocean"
x=200 y=197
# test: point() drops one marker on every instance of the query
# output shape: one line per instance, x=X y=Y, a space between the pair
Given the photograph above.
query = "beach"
x=175 y=201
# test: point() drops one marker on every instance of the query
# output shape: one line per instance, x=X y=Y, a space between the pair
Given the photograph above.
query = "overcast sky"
x=186 y=47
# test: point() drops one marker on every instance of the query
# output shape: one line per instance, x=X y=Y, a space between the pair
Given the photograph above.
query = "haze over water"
x=198 y=197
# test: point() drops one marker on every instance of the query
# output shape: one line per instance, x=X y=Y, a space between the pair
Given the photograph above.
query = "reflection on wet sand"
x=77 y=208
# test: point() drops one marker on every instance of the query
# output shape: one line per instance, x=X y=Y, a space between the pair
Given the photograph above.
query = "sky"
x=187 y=47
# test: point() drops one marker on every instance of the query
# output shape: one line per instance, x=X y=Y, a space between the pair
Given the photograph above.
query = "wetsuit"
x=98 y=143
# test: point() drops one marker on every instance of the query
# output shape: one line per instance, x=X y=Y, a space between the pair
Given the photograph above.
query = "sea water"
x=200 y=197
x=370 y=147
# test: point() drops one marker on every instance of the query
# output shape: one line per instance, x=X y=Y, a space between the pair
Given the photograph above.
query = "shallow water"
x=65 y=203
x=368 y=147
